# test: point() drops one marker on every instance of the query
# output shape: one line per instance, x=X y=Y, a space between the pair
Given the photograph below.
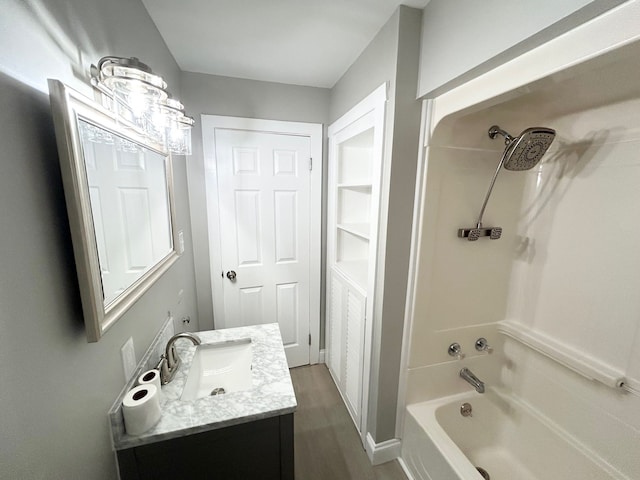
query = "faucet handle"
x=165 y=374
x=483 y=346
x=172 y=357
x=455 y=350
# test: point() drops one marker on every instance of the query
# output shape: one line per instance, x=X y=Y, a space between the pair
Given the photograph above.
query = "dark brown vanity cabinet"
x=260 y=450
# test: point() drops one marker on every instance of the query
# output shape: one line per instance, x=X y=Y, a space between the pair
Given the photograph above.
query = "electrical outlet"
x=128 y=359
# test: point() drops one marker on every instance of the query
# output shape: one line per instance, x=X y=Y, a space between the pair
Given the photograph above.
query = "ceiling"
x=300 y=42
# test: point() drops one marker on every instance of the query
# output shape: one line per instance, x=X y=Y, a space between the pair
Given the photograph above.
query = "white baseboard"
x=382 y=452
x=321 y=356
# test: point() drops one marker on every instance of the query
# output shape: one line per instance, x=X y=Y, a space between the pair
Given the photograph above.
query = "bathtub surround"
x=542 y=276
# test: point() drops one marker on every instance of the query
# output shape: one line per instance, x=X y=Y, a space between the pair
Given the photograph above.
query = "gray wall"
x=392 y=57
x=215 y=95
x=465 y=38
x=56 y=387
x=375 y=65
x=406 y=133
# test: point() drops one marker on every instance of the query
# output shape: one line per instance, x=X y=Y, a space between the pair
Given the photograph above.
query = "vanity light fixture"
x=139 y=98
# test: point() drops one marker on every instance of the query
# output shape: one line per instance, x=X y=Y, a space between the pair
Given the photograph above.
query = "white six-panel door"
x=137 y=219
x=265 y=219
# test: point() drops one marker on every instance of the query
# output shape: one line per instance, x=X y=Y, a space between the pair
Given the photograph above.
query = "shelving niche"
x=353 y=190
x=355 y=164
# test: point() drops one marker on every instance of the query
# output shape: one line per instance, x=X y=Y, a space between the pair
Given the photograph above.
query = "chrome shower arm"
x=496 y=130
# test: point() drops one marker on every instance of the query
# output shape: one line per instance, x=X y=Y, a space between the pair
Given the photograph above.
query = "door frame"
x=312 y=130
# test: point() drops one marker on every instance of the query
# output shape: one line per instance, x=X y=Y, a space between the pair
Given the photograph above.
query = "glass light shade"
x=177 y=125
x=139 y=110
x=179 y=135
x=139 y=98
x=135 y=91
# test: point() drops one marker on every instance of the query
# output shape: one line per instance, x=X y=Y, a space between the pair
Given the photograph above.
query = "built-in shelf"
x=355 y=270
x=359 y=229
x=355 y=185
x=353 y=203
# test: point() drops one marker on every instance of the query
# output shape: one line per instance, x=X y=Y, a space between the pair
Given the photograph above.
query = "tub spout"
x=474 y=381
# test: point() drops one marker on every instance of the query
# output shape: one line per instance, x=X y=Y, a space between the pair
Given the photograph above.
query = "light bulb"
x=138 y=104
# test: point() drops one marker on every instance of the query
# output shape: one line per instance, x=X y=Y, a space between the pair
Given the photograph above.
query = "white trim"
x=382 y=452
x=321 y=356
x=314 y=132
x=609 y=31
x=366 y=105
x=418 y=214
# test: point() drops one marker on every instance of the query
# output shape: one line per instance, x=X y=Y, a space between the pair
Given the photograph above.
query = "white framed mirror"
x=119 y=194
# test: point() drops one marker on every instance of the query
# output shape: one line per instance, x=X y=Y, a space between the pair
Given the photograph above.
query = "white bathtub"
x=503 y=436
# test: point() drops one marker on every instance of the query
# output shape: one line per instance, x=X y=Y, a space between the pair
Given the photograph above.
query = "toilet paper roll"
x=152 y=377
x=141 y=409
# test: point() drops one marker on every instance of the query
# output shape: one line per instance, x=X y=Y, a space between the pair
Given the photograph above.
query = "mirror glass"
x=118 y=187
x=129 y=206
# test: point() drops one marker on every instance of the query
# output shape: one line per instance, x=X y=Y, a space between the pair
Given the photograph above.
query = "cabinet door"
x=334 y=329
x=258 y=450
x=354 y=315
x=345 y=345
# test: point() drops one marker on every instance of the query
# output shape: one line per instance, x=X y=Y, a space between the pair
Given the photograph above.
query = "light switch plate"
x=128 y=359
x=180 y=242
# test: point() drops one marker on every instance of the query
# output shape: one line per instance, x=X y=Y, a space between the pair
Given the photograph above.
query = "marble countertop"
x=271 y=393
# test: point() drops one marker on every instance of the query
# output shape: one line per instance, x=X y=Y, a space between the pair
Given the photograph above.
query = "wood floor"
x=327 y=445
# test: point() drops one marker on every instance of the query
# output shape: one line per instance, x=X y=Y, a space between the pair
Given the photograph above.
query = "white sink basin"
x=218 y=368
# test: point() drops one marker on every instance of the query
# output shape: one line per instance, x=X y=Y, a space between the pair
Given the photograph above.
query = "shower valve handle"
x=455 y=350
x=483 y=346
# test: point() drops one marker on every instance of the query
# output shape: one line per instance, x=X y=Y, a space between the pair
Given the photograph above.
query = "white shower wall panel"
x=577 y=278
x=468 y=282
x=583 y=276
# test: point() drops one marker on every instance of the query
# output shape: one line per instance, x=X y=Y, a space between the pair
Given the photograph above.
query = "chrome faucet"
x=170 y=361
x=474 y=381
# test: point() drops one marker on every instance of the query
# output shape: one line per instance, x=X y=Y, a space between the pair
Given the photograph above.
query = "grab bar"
x=566 y=356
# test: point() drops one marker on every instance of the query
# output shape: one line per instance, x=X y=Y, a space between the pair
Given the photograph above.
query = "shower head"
x=525 y=151
x=520 y=153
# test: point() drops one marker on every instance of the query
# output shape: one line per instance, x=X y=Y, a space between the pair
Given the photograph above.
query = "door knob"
x=231 y=275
